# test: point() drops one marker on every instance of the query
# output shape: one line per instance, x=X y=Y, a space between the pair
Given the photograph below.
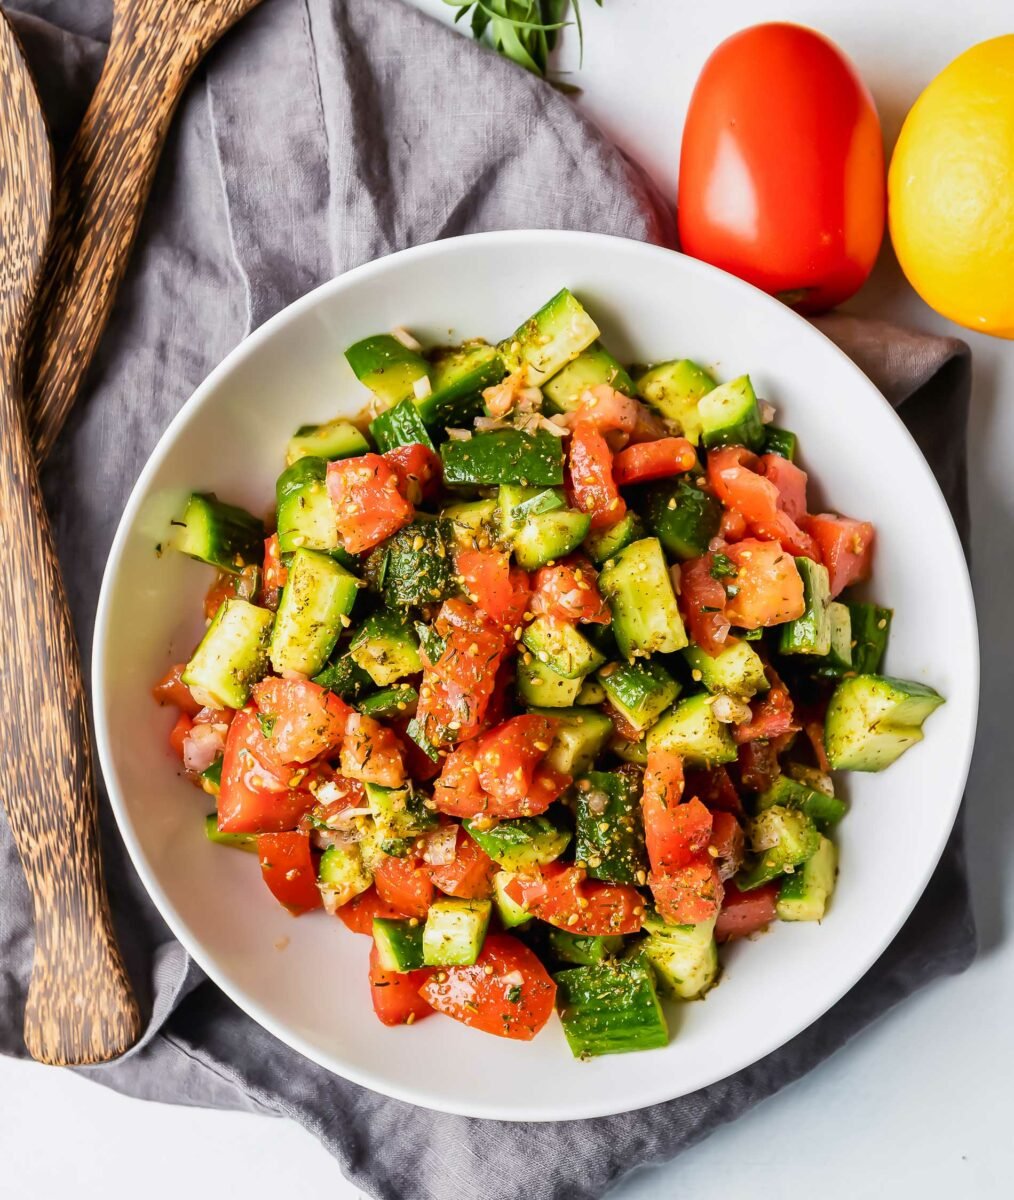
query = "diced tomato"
x=368 y=506
x=621 y=726
x=563 y=895
x=275 y=573
x=506 y=757
x=674 y=836
x=179 y=733
x=171 y=689
x=769 y=588
x=500 y=702
x=728 y=843
x=702 y=602
x=663 y=777
x=772 y=714
x=299 y=718
x=498 y=589
x=340 y=795
x=715 y=789
x=734 y=475
x=744 y=913
x=405 y=884
x=569 y=591
x=488 y=996
x=289 y=870
x=358 y=914
x=547 y=786
x=654 y=460
x=470 y=875
x=371 y=752
x=733 y=526
x=846 y=548
x=227 y=585
x=396 y=994
x=789 y=480
x=813 y=727
x=758 y=765
x=255 y=795
x=606 y=410
x=419 y=471
x=457 y=792
x=687 y=895
x=418 y=764
x=590 y=483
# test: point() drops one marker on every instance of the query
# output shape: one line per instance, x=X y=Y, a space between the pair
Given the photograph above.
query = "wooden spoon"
x=154 y=48
x=80 y=1008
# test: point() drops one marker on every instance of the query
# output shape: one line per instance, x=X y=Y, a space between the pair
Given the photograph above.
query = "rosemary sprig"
x=525 y=31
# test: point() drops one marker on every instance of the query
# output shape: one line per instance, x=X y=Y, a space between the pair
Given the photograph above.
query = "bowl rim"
x=592 y=1105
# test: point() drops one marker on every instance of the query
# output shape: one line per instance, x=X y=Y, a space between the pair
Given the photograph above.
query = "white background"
x=919 y=1104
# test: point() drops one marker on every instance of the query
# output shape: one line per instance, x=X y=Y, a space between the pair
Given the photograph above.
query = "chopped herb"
x=514 y=994
x=722 y=567
x=267 y=723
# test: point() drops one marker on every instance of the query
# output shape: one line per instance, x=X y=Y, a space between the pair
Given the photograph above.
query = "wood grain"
x=154 y=48
x=80 y=1007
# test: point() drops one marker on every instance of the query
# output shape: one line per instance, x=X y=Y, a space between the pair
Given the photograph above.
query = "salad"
x=537 y=677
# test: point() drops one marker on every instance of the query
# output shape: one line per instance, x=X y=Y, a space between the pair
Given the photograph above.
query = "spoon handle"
x=80 y=1007
x=103 y=187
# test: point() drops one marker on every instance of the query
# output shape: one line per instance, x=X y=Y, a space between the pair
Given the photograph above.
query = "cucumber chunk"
x=610 y=835
x=684 y=957
x=306 y=516
x=523 y=842
x=838 y=660
x=512 y=915
x=737 y=670
x=640 y=692
x=682 y=517
x=504 y=456
x=342 y=875
x=389 y=369
x=400 y=426
x=780 y=441
x=692 y=730
x=610 y=1008
x=233 y=654
x=592 y=692
x=730 y=416
x=873 y=719
x=635 y=753
x=603 y=545
x=810 y=633
x=804 y=895
x=344 y=677
x=454 y=932
x=591 y=368
x=398 y=813
x=871 y=626
x=330 y=441
x=547 y=501
x=550 y=339
x=547 y=536
x=473 y=524
x=583 y=950
x=638 y=588
x=578 y=740
x=782 y=839
x=238 y=841
x=538 y=684
x=415 y=564
x=389 y=702
x=460 y=374
x=559 y=646
x=318 y=593
x=822 y=809
x=674 y=390
x=399 y=944
x=224 y=535
x=386 y=647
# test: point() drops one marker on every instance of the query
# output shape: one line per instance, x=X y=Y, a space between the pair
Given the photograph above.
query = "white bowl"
x=229 y=437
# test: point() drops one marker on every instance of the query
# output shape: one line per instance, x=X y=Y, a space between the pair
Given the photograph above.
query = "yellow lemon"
x=951 y=190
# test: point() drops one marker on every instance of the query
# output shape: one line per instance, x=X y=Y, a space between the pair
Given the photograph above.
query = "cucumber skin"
x=610 y=1008
x=686 y=528
x=223 y=535
x=615 y=854
x=505 y=456
x=400 y=426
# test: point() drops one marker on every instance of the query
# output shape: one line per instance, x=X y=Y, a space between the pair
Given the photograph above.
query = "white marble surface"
x=917 y=1105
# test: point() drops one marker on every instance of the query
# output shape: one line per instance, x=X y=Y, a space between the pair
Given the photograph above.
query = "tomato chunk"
x=507 y=991
x=255 y=794
x=772 y=714
x=396 y=994
x=607 y=410
x=565 y=897
x=358 y=914
x=289 y=870
x=569 y=591
x=404 y=884
x=715 y=789
x=171 y=689
x=702 y=601
x=274 y=573
x=790 y=483
x=590 y=483
x=368 y=506
x=758 y=764
x=654 y=460
x=300 y=719
x=179 y=733
x=371 y=752
x=689 y=894
x=674 y=836
x=497 y=589
x=734 y=475
x=728 y=842
x=744 y=913
x=506 y=757
x=470 y=875
x=456 y=791
x=419 y=471
x=769 y=588
x=846 y=548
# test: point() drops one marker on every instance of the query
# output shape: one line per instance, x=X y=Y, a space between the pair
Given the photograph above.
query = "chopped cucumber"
x=638 y=588
x=559 y=646
x=578 y=739
x=389 y=369
x=211 y=777
x=822 y=809
x=399 y=944
x=682 y=517
x=390 y=702
x=592 y=692
x=512 y=915
x=398 y=813
x=870 y=626
x=454 y=932
x=238 y=841
x=224 y=535
x=731 y=416
x=547 y=536
x=416 y=563
x=810 y=633
x=674 y=390
x=583 y=950
x=460 y=374
x=306 y=516
x=692 y=730
x=591 y=368
x=684 y=957
x=524 y=842
x=386 y=647
x=318 y=594
x=473 y=524
x=342 y=875
x=331 y=441
x=610 y=1008
x=550 y=339
x=780 y=441
x=873 y=719
x=804 y=895
x=635 y=753
x=736 y=670
x=640 y=692
x=603 y=545
x=233 y=654
x=504 y=456
x=546 y=501
x=838 y=660
x=782 y=839
x=610 y=835
x=538 y=684
x=400 y=426
x=344 y=677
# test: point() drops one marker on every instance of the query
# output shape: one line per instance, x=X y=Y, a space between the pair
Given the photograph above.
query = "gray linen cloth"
x=320 y=134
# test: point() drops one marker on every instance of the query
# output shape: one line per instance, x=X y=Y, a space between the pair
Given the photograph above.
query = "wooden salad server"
x=153 y=51
x=80 y=1007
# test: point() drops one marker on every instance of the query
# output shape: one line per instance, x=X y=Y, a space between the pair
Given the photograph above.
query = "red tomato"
x=496 y=588
x=569 y=591
x=171 y=689
x=733 y=526
x=405 y=884
x=663 y=778
x=488 y=996
x=728 y=843
x=300 y=719
x=275 y=573
x=470 y=875
x=562 y=895
x=702 y=602
x=396 y=994
x=735 y=477
x=744 y=913
x=654 y=460
x=769 y=588
x=419 y=471
x=418 y=764
x=606 y=410
x=371 y=752
x=790 y=483
x=367 y=503
x=457 y=792
x=178 y=734
x=715 y=789
x=846 y=548
x=687 y=895
x=289 y=870
x=547 y=786
x=255 y=795
x=590 y=483
x=783 y=185
x=674 y=836
x=506 y=757
x=758 y=765
x=358 y=914
x=772 y=715
x=223 y=588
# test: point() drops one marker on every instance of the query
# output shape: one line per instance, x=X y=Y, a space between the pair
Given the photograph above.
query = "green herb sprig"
x=525 y=31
